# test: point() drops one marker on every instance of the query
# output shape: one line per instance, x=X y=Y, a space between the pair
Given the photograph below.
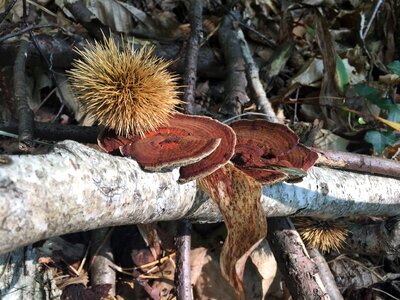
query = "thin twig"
x=364 y=33
x=101 y=271
x=182 y=275
x=358 y=162
x=25 y=114
x=190 y=75
x=183 y=238
x=7 y=11
x=229 y=120
x=325 y=274
x=50 y=68
x=41 y=7
x=252 y=71
x=26 y=29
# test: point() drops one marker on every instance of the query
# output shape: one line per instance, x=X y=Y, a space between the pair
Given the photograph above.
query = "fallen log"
x=76 y=188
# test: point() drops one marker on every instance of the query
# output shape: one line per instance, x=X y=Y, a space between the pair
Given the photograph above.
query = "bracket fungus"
x=199 y=145
x=166 y=150
x=270 y=152
x=265 y=153
x=207 y=128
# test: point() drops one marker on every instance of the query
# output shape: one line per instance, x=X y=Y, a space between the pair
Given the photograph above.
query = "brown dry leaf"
x=238 y=198
x=207 y=280
x=150 y=236
x=329 y=85
x=198 y=258
x=78 y=291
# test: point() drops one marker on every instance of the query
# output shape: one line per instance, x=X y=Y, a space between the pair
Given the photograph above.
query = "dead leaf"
x=238 y=198
x=78 y=291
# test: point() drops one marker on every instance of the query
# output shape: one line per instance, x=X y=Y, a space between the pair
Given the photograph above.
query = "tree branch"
x=77 y=188
x=300 y=272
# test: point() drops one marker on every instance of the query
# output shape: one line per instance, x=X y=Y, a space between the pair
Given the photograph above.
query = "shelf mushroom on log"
x=270 y=152
x=197 y=144
x=260 y=152
x=265 y=153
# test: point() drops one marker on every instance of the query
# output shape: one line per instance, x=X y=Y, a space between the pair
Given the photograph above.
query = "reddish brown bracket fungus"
x=199 y=144
x=268 y=151
x=166 y=150
x=206 y=128
x=110 y=142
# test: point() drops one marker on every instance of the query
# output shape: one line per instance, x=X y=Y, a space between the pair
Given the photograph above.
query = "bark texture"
x=299 y=271
x=76 y=188
x=20 y=277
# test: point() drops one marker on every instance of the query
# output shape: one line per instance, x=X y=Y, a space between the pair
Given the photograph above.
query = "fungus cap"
x=206 y=127
x=163 y=150
x=200 y=145
x=268 y=151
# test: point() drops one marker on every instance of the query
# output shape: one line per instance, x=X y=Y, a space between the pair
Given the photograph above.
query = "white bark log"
x=77 y=188
x=22 y=279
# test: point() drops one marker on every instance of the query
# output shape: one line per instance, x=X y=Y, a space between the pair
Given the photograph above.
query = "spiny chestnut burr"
x=126 y=90
x=325 y=235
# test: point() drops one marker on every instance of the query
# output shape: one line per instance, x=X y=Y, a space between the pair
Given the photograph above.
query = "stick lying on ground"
x=77 y=188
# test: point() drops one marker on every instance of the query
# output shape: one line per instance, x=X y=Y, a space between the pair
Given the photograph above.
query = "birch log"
x=76 y=188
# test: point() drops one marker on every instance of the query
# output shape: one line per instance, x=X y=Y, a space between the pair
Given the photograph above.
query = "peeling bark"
x=77 y=188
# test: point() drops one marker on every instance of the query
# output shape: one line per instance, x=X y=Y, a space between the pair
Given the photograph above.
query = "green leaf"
x=310 y=30
x=373 y=96
x=341 y=75
x=293 y=173
x=361 y=121
x=380 y=140
x=280 y=57
x=394 y=113
x=395 y=67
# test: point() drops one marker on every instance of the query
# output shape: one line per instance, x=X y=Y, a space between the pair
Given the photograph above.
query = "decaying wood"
x=299 y=271
x=196 y=23
x=76 y=188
